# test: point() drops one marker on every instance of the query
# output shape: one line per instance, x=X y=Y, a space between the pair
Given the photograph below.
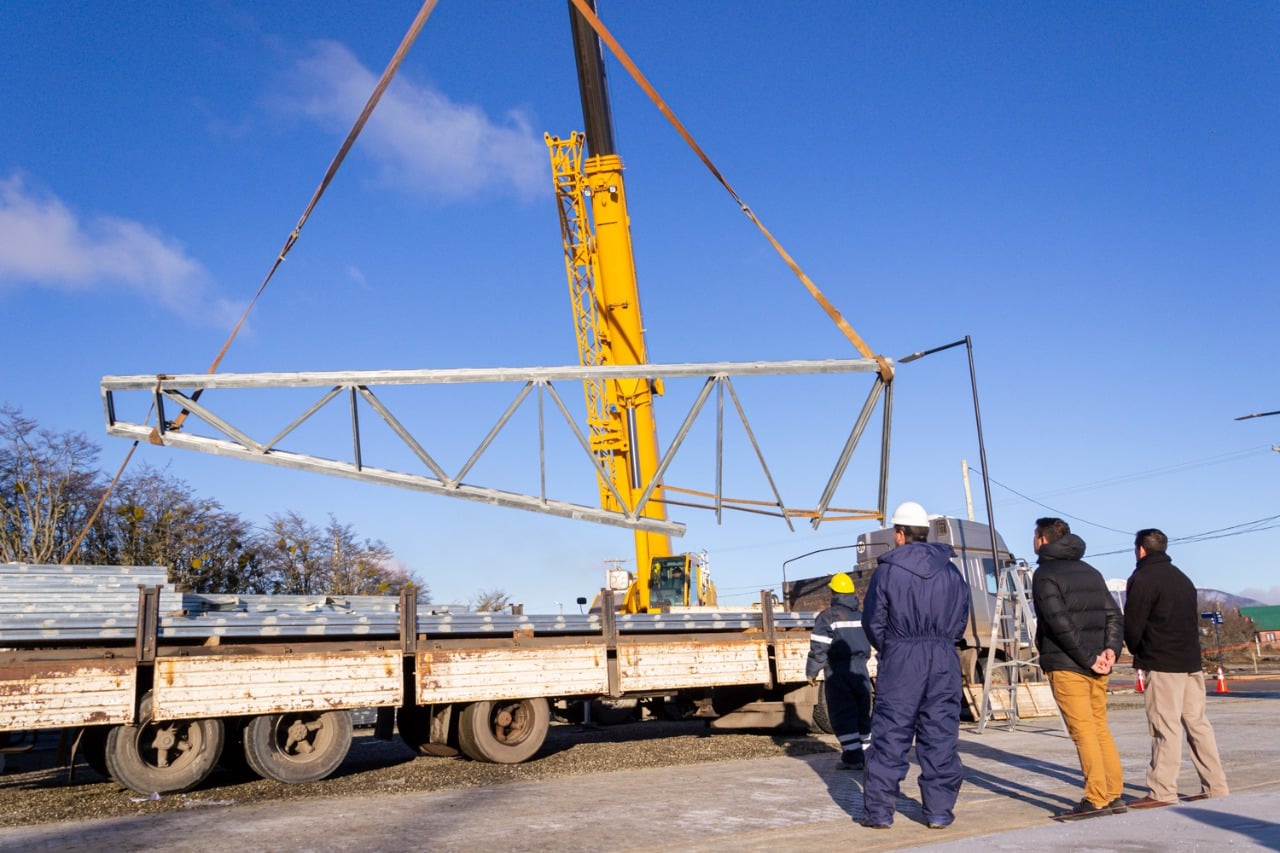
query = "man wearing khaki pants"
x=1161 y=628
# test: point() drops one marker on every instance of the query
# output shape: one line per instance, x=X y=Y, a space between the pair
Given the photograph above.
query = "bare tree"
x=48 y=486
x=1235 y=634
x=294 y=555
x=361 y=568
x=155 y=518
x=491 y=600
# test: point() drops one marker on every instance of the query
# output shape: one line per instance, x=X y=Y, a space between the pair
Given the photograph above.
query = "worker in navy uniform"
x=917 y=606
x=838 y=648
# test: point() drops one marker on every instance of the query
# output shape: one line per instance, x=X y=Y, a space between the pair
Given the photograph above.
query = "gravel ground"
x=33 y=790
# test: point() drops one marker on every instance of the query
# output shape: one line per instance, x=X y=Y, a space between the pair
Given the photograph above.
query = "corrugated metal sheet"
x=73 y=604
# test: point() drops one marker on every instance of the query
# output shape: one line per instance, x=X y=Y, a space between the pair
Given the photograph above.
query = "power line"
x=1268 y=523
x=1167 y=469
x=1052 y=509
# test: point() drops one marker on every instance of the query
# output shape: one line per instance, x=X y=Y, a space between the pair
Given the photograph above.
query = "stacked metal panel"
x=79 y=604
x=53 y=603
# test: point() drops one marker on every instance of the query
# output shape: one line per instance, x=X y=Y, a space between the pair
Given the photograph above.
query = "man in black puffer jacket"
x=1079 y=632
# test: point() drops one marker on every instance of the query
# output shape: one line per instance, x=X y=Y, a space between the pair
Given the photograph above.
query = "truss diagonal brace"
x=415 y=482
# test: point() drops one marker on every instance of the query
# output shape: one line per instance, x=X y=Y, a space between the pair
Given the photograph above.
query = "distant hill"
x=1227 y=599
x=1211 y=596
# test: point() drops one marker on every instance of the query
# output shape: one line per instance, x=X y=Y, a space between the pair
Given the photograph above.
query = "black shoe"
x=853 y=759
x=1084 y=809
x=869 y=825
x=1118 y=806
x=937 y=824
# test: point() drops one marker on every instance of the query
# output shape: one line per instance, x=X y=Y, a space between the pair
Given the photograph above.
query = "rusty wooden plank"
x=692 y=662
x=791 y=654
x=57 y=694
x=240 y=685
x=476 y=673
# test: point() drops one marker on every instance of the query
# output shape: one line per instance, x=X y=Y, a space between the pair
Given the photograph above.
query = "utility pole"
x=968 y=493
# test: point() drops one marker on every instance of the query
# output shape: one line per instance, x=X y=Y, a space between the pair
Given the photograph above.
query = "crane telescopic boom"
x=606 y=302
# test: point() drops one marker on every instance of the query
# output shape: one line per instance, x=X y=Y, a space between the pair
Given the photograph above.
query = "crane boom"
x=600 y=267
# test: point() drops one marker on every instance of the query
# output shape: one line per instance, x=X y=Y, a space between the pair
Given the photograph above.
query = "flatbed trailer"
x=159 y=686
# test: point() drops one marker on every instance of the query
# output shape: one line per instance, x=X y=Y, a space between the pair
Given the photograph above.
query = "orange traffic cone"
x=1222 y=682
x=1141 y=683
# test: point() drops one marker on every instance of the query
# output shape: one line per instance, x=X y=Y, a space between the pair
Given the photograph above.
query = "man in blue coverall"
x=916 y=609
x=838 y=646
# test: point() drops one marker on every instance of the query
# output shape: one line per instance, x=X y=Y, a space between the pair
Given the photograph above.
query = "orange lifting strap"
x=392 y=67
x=590 y=17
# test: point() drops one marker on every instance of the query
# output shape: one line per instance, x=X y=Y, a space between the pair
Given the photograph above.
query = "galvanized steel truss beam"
x=228 y=439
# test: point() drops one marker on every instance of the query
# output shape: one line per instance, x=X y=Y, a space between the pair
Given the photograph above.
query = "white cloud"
x=421 y=141
x=46 y=244
x=357 y=276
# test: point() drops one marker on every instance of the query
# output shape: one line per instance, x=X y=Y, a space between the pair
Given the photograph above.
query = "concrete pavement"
x=1014 y=781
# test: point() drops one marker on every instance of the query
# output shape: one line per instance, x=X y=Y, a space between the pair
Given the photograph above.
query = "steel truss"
x=219 y=436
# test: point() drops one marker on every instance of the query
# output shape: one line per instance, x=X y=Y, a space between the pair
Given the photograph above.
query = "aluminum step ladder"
x=1013 y=684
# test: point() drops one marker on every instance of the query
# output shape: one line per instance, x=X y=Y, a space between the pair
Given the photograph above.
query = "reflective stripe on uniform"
x=818 y=639
x=848 y=623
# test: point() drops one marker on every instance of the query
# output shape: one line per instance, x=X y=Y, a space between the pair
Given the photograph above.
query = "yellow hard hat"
x=840 y=582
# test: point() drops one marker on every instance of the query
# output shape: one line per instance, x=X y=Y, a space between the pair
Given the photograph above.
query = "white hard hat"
x=910 y=514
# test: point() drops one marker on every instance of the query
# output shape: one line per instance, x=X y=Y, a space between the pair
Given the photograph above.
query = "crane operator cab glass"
x=669 y=582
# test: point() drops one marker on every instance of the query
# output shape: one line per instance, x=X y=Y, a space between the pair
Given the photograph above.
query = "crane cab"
x=681 y=580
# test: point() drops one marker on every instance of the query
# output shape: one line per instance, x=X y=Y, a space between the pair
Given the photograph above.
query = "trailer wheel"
x=507 y=731
x=162 y=757
x=297 y=747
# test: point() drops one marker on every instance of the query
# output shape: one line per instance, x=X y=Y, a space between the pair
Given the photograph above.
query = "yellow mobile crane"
x=600 y=265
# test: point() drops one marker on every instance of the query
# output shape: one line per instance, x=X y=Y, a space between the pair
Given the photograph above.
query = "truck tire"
x=505 y=731
x=821 y=716
x=299 y=746
x=163 y=757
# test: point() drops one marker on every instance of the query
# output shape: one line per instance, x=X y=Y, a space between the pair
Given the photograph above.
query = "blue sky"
x=1087 y=189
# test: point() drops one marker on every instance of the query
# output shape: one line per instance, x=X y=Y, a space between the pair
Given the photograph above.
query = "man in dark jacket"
x=1162 y=629
x=1079 y=631
x=838 y=646
x=917 y=605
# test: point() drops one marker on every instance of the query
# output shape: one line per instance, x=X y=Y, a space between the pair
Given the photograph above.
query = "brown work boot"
x=1149 y=802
